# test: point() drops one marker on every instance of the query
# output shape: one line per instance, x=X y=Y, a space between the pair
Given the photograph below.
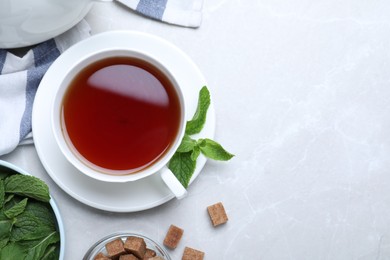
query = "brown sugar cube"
x=156 y=258
x=135 y=246
x=173 y=236
x=192 y=254
x=101 y=256
x=128 y=257
x=115 y=248
x=149 y=253
x=217 y=214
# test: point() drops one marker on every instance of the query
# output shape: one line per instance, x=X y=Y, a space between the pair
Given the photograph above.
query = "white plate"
x=27 y=22
x=117 y=197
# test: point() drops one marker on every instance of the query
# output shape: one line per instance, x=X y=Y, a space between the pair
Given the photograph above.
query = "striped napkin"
x=19 y=80
x=186 y=13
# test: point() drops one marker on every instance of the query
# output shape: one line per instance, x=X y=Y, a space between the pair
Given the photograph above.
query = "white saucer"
x=117 y=197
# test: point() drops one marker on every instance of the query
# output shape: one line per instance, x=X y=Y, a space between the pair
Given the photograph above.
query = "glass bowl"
x=99 y=246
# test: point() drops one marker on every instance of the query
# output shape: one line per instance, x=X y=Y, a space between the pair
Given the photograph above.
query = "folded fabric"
x=186 y=13
x=19 y=80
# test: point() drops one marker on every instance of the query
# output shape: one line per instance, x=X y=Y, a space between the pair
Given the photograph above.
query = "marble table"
x=301 y=91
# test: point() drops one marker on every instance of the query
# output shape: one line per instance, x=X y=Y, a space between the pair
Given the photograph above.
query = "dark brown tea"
x=121 y=113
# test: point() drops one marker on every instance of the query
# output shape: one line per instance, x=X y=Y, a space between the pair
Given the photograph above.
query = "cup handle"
x=173 y=183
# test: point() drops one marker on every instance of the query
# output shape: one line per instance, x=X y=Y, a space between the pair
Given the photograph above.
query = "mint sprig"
x=183 y=162
x=213 y=150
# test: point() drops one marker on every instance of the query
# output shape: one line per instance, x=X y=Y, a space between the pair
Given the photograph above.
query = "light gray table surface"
x=301 y=91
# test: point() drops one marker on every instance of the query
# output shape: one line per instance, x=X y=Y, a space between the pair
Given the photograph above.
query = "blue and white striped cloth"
x=186 y=13
x=19 y=80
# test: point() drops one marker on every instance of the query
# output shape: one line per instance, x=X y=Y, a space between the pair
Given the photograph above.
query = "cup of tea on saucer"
x=119 y=116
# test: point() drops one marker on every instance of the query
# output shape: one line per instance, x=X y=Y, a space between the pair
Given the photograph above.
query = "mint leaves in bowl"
x=30 y=224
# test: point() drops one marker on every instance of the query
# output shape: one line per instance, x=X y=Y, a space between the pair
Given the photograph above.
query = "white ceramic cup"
x=107 y=175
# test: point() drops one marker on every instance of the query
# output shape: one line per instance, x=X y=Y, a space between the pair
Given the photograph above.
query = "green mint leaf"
x=3 y=242
x=195 y=153
x=29 y=227
x=42 y=212
x=183 y=162
x=16 y=209
x=187 y=144
x=25 y=229
x=12 y=251
x=28 y=186
x=5 y=228
x=2 y=216
x=214 y=150
x=2 y=194
x=38 y=251
x=182 y=167
x=195 y=125
x=12 y=201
